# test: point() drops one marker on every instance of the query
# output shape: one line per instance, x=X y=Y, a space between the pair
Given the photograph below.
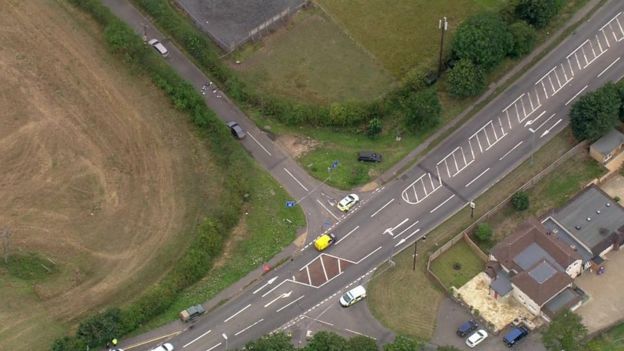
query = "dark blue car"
x=514 y=335
x=467 y=328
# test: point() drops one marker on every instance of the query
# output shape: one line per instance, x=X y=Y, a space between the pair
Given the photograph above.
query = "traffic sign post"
x=290 y=204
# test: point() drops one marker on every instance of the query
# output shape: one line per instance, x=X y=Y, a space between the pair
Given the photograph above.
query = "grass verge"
x=457 y=266
x=612 y=340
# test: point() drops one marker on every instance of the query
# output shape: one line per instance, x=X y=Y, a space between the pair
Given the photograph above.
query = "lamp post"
x=532 y=143
x=472 y=207
x=226 y=340
x=443 y=26
x=416 y=252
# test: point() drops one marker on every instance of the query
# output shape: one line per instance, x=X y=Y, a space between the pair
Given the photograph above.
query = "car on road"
x=192 y=312
x=236 y=130
x=348 y=202
x=515 y=335
x=164 y=347
x=476 y=338
x=159 y=47
x=352 y=296
x=324 y=241
x=467 y=328
x=369 y=156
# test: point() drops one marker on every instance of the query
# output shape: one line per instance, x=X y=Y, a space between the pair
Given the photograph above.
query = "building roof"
x=541 y=282
x=501 y=283
x=560 y=233
x=593 y=219
x=530 y=244
x=564 y=300
x=609 y=142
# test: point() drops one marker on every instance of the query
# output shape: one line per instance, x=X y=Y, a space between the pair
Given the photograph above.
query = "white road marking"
x=324 y=270
x=442 y=204
x=214 y=347
x=197 y=338
x=549 y=129
x=400 y=224
x=247 y=328
x=296 y=180
x=577 y=94
x=277 y=286
x=609 y=66
x=528 y=123
x=413 y=233
x=290 y=303
x=475 y=179
x=327 y=209
x=408 y=228
x=382 y=207
x=367 y=256
x=512 y=149
x=265 y=285
x=257 y=142
x=546 y=121
x=282 y=296
x=354 y=332
x=237 y=313
x=349 y=233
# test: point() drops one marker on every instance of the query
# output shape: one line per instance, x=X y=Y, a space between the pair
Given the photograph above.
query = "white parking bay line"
x=197 y=338
x=349 y=233
x=413 y=233
x=442 y=204
x=382 y=207
x=214 y=347
x=247 y=328
x=575 y=95
x=512 y=149
x=290 y=303
x=406 y=229
x=257 y=142
x=296 y=180
x=400 y=224
x=327 y=209
x=609 y=66
x=477 y=177
x=367 y=256
x=237 y=313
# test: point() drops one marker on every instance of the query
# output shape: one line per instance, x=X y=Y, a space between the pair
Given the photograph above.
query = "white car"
x=158 y=46
x=164 y=347
x=476 y=338
x=352 y=296
x=348 y=202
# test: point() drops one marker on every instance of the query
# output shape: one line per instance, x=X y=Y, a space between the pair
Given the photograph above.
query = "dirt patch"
x=98 y=172
x=297 y=146
x=614 y=187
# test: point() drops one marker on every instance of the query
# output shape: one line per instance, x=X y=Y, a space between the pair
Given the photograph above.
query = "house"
x=605 y=148
x=591 y=223
x=536 y=268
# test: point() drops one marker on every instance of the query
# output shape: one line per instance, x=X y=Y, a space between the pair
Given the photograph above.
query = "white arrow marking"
x=282 y=296
x=388 y=231
x=265 y=285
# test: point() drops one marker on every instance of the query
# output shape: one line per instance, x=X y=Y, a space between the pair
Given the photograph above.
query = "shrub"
x=483 y=232
x=483 y=39
x=98 y=329
x=524 y=37
x=520 y=201
x=466 y=79
x=595 y=113
x=538 y=12
x=422 y=110
x=374 y=127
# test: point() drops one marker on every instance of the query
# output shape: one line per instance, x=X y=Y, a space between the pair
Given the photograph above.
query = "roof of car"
x=358 y=290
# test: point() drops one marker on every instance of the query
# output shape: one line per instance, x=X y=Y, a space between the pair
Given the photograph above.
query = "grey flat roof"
x=609 y=142
x=542 y=272
x=586 y=205
x=561 y=234
x=502 y=284
x=562 y=300
x=532 y=254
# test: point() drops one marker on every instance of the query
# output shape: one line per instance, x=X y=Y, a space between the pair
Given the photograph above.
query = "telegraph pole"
x=443 y=26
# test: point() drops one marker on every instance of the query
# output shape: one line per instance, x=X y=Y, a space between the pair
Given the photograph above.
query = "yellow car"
x=324 y=241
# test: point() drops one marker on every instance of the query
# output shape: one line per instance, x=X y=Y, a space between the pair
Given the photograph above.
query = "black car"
x=237 y=130
x=369 y=156
x=467 y=328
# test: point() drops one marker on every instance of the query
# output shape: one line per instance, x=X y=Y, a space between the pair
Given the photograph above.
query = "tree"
x=483 y=39
x=422 y=110
x=520 y=201
x=620 y=88
x=403 y=343
x=374 y=127
x=484 y=232
x=594 y=114
x=466 y=79
x=326 y=341
x=101 y=327
x=69 y=344
x=361 y=343
x=271 y=342
x=538 y=12
x=565 y=332
x=524 y=37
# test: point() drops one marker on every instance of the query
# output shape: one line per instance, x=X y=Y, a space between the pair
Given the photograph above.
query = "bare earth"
x=97 y=172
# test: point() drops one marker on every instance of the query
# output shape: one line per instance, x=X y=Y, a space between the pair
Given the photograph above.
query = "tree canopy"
x=466 y=79
x=565 y=332
x=483 y=39
x=421 y=110
x=403 y=343
x=524 y=37
x=594 y=114
x=271 y=342
x=538 y=12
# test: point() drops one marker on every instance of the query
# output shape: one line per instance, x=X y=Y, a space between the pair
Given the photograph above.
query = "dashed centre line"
x=382 y=207
x=609 y=66
x=257 y=142
x=575 y=95
x=197 y=338
x=237 y=313
x=296 y=180
x=247 y=328
x=477 y=177
x=442 y=204
x=512 y=149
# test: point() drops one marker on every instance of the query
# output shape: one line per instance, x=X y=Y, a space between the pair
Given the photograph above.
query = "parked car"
x=324 y=241
x=515 y=335
x=236 y=130
x=164 y=347
x=348 y=202
x=352 y=296
x=369 y=156
x=159 y=47
x=192 y=312
x=476 y=338
x=467 y=328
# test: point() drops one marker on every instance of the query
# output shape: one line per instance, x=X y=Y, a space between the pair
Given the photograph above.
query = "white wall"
x=575 y=268
x=525 y=300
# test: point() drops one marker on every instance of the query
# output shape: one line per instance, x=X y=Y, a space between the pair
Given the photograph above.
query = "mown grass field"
x=612 y=340
x=312 y=60
x=469 y=265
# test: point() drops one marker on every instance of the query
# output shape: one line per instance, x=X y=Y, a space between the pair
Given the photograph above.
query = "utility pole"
x=443 y=26
x=6 y=238
x=532 y=143
x=472 y=207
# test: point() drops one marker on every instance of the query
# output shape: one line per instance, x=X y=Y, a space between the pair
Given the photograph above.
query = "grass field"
x=613 y=340
x=469 y=265
x=312 y=60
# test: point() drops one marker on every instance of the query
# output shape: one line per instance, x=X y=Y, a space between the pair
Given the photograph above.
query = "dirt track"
x=97 y=172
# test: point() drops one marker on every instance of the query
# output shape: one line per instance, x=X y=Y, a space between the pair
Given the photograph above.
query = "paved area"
x=451 y=316
x=605 y=305
x=614 y=186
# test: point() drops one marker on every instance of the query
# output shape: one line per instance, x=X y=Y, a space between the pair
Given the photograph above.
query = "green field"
x=469 y=265
x=613 y=340
x=406 y=33
x=312 y=60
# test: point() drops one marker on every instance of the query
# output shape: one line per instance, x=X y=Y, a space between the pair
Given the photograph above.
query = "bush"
x=520 y=201
x=484 y=232
x=102 y=327
x=524 y=37
x=422 y=110
x=69 y=344
x=466 y=79
x=374 y=128
x=595 y=113
x=483 y=39
x=538 y=12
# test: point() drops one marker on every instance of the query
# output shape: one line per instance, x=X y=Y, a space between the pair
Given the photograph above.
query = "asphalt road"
x=466 y=164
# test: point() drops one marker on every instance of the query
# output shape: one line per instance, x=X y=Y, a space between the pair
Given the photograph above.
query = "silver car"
x=159 y=47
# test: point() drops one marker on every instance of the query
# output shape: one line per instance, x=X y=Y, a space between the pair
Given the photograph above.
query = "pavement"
x=389 y=219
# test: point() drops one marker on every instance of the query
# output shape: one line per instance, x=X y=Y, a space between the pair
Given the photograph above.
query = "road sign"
x=290 y=204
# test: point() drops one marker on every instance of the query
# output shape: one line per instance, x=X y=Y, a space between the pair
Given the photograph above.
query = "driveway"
x=605 y=305
x=451 y=316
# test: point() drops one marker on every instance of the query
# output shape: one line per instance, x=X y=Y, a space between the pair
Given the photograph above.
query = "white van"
x=352 y=296
x=159 y=47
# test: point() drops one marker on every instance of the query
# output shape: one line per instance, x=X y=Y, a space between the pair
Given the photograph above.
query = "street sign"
x=290 y=204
